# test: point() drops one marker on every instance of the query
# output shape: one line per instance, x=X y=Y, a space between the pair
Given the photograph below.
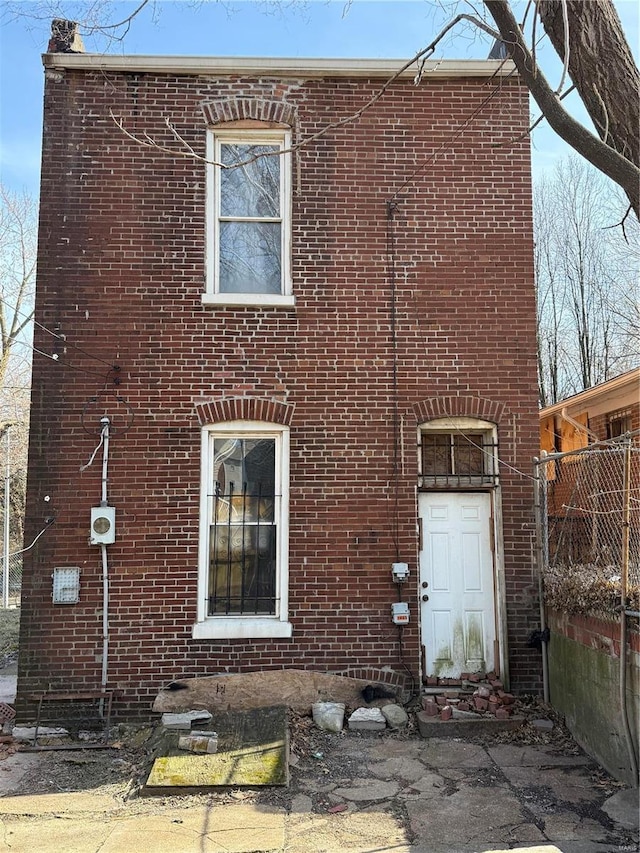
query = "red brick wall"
x=599 y=423
x=120 y=274
x=600 y=634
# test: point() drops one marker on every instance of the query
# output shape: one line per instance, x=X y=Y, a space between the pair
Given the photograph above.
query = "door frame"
x=495 y=492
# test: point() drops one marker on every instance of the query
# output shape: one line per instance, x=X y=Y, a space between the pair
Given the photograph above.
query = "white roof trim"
x=631 y=378
x=281 y=67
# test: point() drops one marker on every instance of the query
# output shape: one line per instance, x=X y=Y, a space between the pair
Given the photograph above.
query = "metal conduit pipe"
x=105 y=615
x=105 y=563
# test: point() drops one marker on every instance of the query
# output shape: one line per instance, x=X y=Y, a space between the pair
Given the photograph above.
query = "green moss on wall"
x=584 y=686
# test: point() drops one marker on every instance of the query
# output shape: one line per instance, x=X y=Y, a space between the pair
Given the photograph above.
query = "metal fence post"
x=624 y=578
x=540 y=538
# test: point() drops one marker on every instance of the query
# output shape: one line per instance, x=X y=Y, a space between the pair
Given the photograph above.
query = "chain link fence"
x=589 y=524
x=11 y=582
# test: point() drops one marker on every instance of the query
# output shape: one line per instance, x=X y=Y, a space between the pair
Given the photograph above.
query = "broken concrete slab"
x=562 y=784
x=464 y=727
x=568 y=825
x=28 y=733
x=198 y=829
x=444 y=753
x=8 y=682
x=14 y=768
x=250 y=767
x=55 y=804
x=184 y=720
x=206 y=742
x=395 y=715
x=363 y=790
x=537 y=848
x=297 y=689
x=349 y=831
x=506 y=755
x=427 y=787
x=470 y=817
x=624 y=808
x=367 y=719
x=253 y=751
x=408 y=769
x=542 y=725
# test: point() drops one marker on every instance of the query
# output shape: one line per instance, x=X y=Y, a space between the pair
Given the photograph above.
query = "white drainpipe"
x=103 y=550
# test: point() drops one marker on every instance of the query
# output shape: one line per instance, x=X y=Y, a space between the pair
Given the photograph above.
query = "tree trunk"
x=601 y=67
x=603 y=155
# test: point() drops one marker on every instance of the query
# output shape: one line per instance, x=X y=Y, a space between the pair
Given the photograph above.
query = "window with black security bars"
x=458 y=459
x=243 y=530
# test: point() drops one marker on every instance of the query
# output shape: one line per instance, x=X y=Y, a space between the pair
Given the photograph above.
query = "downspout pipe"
x=580 y=427
x=106 y=423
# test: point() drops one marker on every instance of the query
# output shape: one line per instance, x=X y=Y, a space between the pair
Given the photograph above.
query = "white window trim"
x=245 y=627
x=212 y=296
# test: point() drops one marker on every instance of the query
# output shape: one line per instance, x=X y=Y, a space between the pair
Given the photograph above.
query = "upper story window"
x=248 y=217
x=457 y=453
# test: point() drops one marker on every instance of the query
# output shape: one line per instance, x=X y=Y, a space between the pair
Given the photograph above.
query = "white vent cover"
x=66 y=585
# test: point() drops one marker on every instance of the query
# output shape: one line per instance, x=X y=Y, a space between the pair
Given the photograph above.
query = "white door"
x=456 y=583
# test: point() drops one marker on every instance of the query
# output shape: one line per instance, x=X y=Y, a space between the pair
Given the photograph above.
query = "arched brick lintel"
x=216 y=410
x=459 y=407
x=260 y=109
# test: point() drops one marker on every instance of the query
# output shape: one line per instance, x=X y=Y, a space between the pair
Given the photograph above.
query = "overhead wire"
x=452 y=137
x=29 y=547
x=67 y=364
x=391 y=250
x=61 y=337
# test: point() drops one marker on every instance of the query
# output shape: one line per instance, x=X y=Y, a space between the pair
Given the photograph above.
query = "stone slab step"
x=435 y=727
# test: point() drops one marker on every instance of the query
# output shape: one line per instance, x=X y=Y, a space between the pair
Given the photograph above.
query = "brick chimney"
x=64 y=37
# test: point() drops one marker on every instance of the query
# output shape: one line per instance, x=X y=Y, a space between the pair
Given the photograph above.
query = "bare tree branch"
x=17 y=271
x=607 y=159
x=186 y=150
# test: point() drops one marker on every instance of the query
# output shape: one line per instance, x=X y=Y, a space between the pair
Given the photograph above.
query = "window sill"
x=241 y=628
x=250 y=300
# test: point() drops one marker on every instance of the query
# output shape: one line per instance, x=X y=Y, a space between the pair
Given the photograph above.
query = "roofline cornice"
x=276 y=66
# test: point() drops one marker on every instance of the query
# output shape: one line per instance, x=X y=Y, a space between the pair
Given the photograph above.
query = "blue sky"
x=332 y=28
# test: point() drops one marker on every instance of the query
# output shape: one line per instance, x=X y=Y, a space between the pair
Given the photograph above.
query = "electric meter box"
x=103 y=525
x=400 y=572
x=400 y=613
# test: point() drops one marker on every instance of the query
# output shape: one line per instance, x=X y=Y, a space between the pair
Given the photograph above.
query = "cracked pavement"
x=362 y=793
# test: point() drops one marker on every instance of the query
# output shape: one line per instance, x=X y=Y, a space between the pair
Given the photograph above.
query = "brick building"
x=291 y=367
x=605 y=411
